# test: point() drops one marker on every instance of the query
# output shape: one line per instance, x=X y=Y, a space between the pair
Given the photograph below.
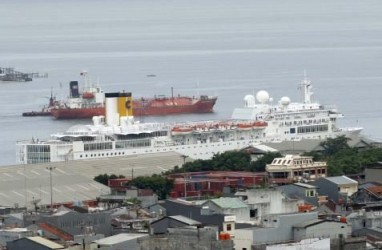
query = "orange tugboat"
x=91 y=102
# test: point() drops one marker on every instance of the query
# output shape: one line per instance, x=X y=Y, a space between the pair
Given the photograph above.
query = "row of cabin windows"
x=103 y=154
x=311 y=129
x=118 y=145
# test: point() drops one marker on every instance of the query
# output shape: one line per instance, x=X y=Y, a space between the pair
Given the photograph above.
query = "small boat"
x=87 y=95
x=181 y=130
x=245 y=126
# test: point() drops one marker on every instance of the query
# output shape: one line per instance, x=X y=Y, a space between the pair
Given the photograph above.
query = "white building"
x=118 y=241
x=268 y=201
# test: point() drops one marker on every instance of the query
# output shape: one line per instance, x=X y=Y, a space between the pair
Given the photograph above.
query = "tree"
x=260 y=164
x=334 y=145
x=343 y=159
x=162 y=186
x=104 y=178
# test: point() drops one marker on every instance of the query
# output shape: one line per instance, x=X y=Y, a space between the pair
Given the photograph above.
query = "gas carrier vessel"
x=91 y=102
x=117 y=134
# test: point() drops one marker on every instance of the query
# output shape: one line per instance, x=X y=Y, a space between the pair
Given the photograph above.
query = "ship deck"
x=73 y=181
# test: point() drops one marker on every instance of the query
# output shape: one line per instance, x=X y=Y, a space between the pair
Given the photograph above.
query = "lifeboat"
x=181 y=130
x=201 y=128
x=87 y=95
x=260 y=124
x=223 y=126
x=244 y=126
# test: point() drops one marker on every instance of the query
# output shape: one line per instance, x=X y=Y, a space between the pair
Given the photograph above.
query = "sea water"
x=217 y=47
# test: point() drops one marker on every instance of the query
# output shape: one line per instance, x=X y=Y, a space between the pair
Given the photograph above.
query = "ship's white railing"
x=41 y=142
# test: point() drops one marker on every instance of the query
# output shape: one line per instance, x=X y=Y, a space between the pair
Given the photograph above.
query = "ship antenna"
x=306 y=89
x=86 y=79
x=197 y=87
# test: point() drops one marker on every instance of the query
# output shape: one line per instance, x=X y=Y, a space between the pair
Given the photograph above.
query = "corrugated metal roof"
x=45 y=242
x=185 y=220
x=340 y=180
x=264 y=148
x=73 y=180
x=118 y=238
x=225 y=202
x=304 y=185
x=314 y=144
x=369 y=184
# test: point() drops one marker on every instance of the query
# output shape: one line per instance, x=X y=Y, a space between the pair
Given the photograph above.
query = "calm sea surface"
x=218 y=47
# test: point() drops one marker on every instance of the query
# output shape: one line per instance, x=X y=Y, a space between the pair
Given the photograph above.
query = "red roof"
x=376 y=190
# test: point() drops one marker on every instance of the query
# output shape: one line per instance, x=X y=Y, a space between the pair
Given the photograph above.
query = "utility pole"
x=50 y=168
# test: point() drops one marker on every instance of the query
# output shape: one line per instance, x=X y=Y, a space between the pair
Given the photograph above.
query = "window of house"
x=310 y=193
x=253 y=213
x=229 y=227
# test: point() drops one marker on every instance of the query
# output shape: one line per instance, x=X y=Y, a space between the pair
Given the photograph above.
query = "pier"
x=11 y=75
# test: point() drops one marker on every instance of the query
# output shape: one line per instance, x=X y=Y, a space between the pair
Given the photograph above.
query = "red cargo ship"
x=91 y=101
x=145 y=107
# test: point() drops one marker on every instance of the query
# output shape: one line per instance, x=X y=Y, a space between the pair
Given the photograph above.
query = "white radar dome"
x=262 y=96
x=249 y=101
x=285 y=101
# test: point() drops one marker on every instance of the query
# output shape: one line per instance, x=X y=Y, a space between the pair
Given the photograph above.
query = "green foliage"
x=228 y=161
x=334 y=145
x=267 y=158
x=159 y=184
x=104 y=178
x=343 y=159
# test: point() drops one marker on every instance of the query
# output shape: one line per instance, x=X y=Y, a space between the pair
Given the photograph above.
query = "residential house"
x=33 y=243
x=13 y=220
x=188 y=238
x=146 y=197
x=275 y=228
x=195 y=212
x=302 y=191
x=373 y=172
x=68 y=222
x=118 y=241
x=268 y=201
x=11 y=234
x=364 y=220
x=294 y=168
x=368 y=193
x=317 y=228
x=337 y=188
x=156 y=210
x=161 y=226
x=212 y=183
x=311 y=244
x=229 y=206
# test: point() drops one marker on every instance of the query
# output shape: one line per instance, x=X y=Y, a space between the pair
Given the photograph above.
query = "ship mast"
x=86 y=80
x=306 y=89
x=172 y=95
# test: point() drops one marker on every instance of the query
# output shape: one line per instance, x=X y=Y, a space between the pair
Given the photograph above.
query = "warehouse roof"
x=73 y=180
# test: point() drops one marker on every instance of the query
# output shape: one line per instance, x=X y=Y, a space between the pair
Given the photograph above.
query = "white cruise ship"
x=117 y=134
